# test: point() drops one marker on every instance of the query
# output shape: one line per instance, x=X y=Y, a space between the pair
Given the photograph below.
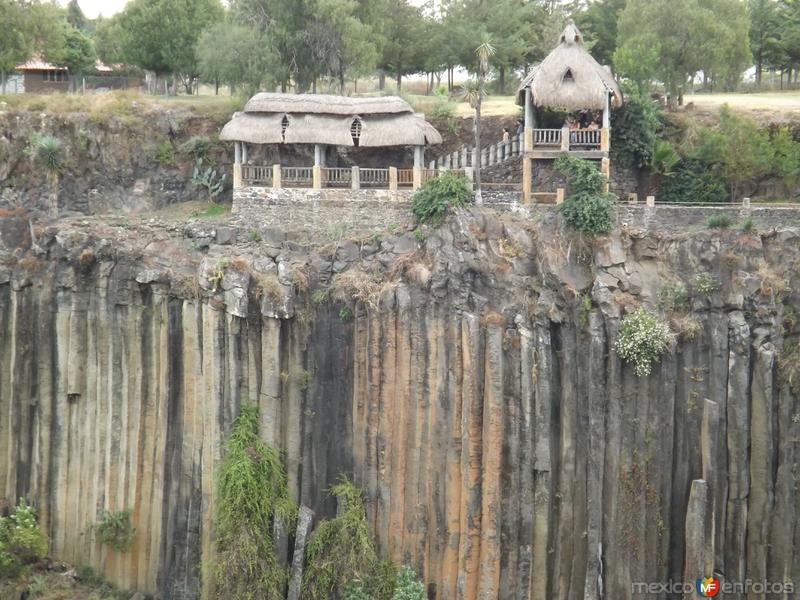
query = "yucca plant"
x=49 y=152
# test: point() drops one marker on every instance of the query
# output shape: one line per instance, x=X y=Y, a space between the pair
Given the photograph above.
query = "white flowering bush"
x=21 y=541
x=643 y=338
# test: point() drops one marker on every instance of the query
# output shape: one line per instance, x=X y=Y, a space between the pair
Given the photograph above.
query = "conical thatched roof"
x=322 y=119
x=570 y=78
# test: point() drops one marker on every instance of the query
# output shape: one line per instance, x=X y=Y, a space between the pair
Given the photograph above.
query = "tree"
x=236 y=55
x=79 y=55
x=683 y=32
x=16 y=43
x=75 y=16
x=485 y=51
x=724 y=48
x=161 y=35
x=764 y=33
x=598 y=23
x=107 y=37
x=403 y=28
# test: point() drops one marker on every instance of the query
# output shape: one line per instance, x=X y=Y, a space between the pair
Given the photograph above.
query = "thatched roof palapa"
x=569 y=77
x=324 y=119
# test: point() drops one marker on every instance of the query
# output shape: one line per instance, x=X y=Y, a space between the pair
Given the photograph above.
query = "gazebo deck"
x=391 y=178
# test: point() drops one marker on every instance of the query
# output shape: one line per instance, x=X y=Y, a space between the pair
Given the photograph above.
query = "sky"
x=91 y=8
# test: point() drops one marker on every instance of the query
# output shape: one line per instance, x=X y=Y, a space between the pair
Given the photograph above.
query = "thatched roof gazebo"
x=323 y=120
x=570 y=79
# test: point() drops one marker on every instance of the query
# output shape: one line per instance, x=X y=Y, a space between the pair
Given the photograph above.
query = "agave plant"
x=208 y=179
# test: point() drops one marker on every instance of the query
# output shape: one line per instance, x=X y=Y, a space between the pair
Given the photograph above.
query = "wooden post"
x=605 y=139
x=276 y=177
x=419 y=156
x=565 y=139
x=237 y=165
x=393 y=178
x=527 y=144
x=607 y=111
x=318 y=155
x=316 y=177
x=605 y=167
x=527 y=168
x=355 y=178
x=244 y=153
x=560 y=194
x=529 y=124
x=416 y=178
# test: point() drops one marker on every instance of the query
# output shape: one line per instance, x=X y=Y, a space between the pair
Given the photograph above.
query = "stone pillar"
x=605 y=168
x=419 y=156
x=465 y=157
x=560 y=194
x=244 y=153
x=492 y=154
x=476 y=157
x=651 y=202
x=469 y=172
x=515 y=145
x=527 y=179
x=393 y=178
x=694 y=564
x=565 y=139
x=529 y=119
x=432 y=165
x=276 y=177
x=316 y=177
x=416 y=178
x=237 y=165
x=319 y=155
x=355 y=178
x=304 y=520
x=446 y=162
x=633 y=198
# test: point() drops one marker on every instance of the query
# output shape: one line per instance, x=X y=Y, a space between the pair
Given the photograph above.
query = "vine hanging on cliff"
x=252 y=493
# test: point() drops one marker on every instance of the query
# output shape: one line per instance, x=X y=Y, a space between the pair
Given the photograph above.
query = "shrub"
x=251 y=493
x=407 y=587
x=587 y=208
x=21 y=541
x=705 y=284
x=748 y=225
x=197 y=146
x=163 y=154
x=691 y=181
x=49 y=151
x=116 y=530
x=721 y=221
x=634 y=130
x=341 y=553
x=438 y=195
x=673 y=297
x=643 y=338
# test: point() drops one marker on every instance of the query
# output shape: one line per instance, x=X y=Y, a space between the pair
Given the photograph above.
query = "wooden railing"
x=337 y=177
x=257 y=174
x=546 y=137
x=587 y=138
x=374 y=177
x=405 y=177
x=296 y=176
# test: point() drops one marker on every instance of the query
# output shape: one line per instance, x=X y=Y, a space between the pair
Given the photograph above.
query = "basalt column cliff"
x=468 y=381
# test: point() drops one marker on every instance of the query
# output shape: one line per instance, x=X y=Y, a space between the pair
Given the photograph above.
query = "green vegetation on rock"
x=433 y=200
x=643 y=337
x=251 y=494
x=21 y=541
x=587 y=208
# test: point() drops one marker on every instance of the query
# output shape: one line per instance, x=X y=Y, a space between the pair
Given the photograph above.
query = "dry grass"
x=774 y=283
x=356 y=285
x=494 y=319
x=264 y=285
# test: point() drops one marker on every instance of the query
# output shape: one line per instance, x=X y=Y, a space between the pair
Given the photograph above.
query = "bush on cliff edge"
x=437 y=195
x=643 y=337
x=21 y=541
x=587 y=208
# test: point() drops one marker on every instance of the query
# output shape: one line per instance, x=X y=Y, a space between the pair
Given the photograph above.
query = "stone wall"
x=322 y=211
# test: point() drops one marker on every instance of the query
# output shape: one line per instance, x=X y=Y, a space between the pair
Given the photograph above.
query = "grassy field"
x=772 y=105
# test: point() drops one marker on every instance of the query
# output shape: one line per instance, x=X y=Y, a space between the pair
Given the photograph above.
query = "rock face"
x=467 y=381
